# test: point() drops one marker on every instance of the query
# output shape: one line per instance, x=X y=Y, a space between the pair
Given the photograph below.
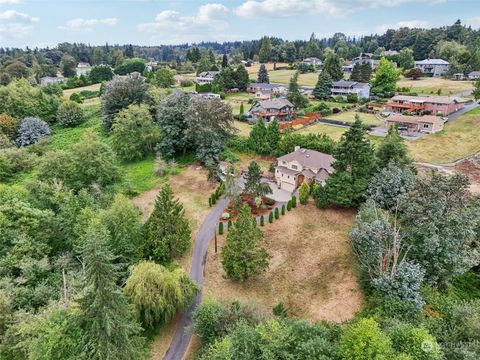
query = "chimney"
x=297 y=148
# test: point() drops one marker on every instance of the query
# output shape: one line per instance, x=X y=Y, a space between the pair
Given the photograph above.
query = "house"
x=83 y=68
x=280 y=109
x=474 y=75
x=314 y=61
x=152 y=66
x=389 y=53
x=458 y=76
x=275 y=88
x=46 y=80
x=264 y=94
x=302 y=165
x=206 y=77
x=433 y=67
x=363 y=59
x=444 y=105
x=343 y=88
x=209 y=96
x=426 y=124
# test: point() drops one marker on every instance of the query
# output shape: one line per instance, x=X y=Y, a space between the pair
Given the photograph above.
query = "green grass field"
x=335 y=132
x=459 y=138
x=283 y=77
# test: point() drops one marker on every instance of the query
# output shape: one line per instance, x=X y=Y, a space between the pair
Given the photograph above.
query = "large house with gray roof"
x=343 y=88
x=280 y=109
x=302 y=165
x=433 y=67
x=206 y=77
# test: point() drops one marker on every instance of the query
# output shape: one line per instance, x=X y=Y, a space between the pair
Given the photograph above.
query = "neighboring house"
x=264 y=94
x=389 y=53
x=343 y=88
x=474 y=75
x=458 y=76
x=315 y=62
x=206 y=77
x=363 y=59
x=152 y=65
x=433 y=67
x=209 y=96
x=444 y=105
x=51 y=80
x=302 y=165
x=275 y=88
x=280 y=109
x=83 y=68
x=427 y=124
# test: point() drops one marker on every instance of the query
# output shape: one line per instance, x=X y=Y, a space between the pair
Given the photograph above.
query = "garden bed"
x=266 y=206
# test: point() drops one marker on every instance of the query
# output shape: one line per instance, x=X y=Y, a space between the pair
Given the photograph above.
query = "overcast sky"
x=152 y=22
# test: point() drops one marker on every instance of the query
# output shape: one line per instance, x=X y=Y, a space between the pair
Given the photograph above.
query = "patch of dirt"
x=471 y=168
x=311 y=270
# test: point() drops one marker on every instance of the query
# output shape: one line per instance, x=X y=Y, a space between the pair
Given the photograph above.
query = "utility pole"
x=215 y=241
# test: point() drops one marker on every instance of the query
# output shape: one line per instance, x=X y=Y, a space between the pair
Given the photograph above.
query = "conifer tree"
x=304 y=193
x=294 y=95
x=167 y=231
x=356 y=74
x=242 y=110
x=333 y=66
x=365 y=72
x=354 y=165
x=224 y=61
x=243 y=255
x=323 y=86
x=108 y=326
x=393 y=149
x=263 y=75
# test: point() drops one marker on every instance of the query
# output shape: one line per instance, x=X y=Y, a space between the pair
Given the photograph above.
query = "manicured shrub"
x=270 y=217
x=76 y=98
x=220 y=228
x=8 y=125
x=277 y=214
x=5 y=141
x=262 y=221
x=31 y=130
x=229 y=224
x=160 y=167
x=304 y=193
x=210 y=201
x=214 y=199
x=283 y=210
x=289 y=205
x=69 y=114
x=294 y=201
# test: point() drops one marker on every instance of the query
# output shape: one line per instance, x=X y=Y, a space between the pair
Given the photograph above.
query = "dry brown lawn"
x=311 y=269
x=68 y=92
x=430 y=85
x=253 y=70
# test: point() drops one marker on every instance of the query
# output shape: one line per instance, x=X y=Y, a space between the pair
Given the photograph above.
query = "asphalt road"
x=178 y=346
x=467 y=108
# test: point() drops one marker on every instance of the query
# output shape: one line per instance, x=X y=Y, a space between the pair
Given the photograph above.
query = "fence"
x=305 y=120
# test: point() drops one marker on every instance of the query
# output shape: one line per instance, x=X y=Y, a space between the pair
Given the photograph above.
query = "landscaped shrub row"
x=219 y=191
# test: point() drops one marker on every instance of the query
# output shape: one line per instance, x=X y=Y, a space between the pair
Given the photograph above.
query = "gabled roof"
x=474 y=73
x=208 y=74
x=432 y=62
x=264 y=85
x=275 y=103
x=349 y=84
x=310 y=159
x=83 y=65
x=429 y=99
x=431 y=119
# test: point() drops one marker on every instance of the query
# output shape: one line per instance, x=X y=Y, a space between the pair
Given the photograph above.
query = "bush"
x=294 y=201
x=31 y=130
x=76 y=98
x=283 y=210
x=186 y=83
x=6 y=169
x=229 y=224
x=262 y=221
x=20 y=159
x=352 y=98
x=8 y=125
x=289 y=205
x=69 y=114
x=160 y=166
x=220 y=228
x=277 y=214
x=5 y=141
x=304 y=193
x=270 y=217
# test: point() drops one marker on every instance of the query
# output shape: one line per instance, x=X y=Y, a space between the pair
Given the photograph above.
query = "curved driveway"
x=178 y=346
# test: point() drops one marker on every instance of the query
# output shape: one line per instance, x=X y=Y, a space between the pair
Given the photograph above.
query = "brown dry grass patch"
x=311 y=269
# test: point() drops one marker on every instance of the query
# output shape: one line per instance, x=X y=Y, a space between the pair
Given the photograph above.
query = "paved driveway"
x=279 y=195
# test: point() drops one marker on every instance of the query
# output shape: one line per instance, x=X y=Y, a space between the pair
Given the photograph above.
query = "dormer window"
x=295 y=167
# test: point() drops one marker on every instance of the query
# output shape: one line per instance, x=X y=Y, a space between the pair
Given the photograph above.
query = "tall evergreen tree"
x=333 y=66
x=109 y=329
x=167 y=231
x=242 y=78
x=273 y=136
x=263 y=74
x=356 y=72
x=324 y=84
x=365 y=72
x=294 y=95
x=253 y=178
x=243 y=255
x=393 y=149
x=257 y=138
x=354 y=166
x=224 y=61
x=265 y=50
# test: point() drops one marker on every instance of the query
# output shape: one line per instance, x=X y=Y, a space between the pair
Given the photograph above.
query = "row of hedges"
x=219 y=191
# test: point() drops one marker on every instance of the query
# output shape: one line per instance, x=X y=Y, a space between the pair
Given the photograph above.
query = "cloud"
x=409 y=23
x=474 y=22
x=9 y=2
x=210 y=19
x=88 y=24
x=287 y=8
x=16 y=24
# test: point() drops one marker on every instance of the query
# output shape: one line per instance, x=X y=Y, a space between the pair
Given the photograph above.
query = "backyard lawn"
x=349 y=116
x=94 y=87
x=335 y=132
x=283 y=77
x=315 y=238
x=459 y=138
x=243 y=128
x=431 y=85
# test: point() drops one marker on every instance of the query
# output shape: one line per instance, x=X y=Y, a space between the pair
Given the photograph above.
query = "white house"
x=474 y=75
x=83 y=68
x=314 y=61
x=433 y=67
x=343 y=88
x=206 y=77
x=51 y=80
x=303 y=165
